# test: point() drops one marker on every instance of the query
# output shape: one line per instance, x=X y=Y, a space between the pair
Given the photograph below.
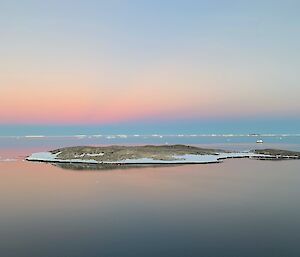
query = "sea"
x=237 y=208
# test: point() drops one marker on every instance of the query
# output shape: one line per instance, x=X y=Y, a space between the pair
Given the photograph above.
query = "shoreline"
x=152 y=155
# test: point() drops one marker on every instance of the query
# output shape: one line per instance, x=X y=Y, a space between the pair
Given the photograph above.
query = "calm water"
x=237 y=208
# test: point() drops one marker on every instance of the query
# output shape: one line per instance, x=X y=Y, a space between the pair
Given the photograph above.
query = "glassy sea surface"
x=239 y=208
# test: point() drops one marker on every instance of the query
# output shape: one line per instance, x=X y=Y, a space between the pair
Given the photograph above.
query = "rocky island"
x=152 y=154
x=277 y=154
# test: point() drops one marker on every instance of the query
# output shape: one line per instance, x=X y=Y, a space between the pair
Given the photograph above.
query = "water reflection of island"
x=108 y=167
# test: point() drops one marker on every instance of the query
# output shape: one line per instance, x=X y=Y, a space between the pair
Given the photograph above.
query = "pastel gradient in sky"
x=107 y=62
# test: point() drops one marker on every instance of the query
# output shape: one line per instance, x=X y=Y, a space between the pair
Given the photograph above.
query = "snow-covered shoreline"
x=178 y=159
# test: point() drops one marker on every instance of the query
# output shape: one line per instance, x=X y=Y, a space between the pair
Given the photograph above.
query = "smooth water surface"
x=237 y=208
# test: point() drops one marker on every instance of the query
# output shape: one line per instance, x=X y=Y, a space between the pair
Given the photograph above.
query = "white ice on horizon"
x=122 y=136
x=146 y=136
x=34 y=136
x=110 y=137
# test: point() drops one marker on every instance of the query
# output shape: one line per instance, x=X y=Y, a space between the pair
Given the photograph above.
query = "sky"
x=137 y=64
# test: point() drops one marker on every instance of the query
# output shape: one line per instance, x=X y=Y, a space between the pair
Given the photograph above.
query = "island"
x=277 y=154
x=152 y=154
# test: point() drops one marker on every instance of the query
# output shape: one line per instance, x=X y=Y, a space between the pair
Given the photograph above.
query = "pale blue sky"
x=198 y=60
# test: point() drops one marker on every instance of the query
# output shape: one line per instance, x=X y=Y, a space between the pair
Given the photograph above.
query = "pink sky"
x=62 y=65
